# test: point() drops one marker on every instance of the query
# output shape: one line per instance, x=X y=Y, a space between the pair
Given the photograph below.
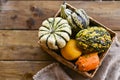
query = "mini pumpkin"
x=93 y=39
x=54 y=33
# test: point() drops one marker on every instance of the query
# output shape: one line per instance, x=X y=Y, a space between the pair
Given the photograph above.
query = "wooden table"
x=20 y=55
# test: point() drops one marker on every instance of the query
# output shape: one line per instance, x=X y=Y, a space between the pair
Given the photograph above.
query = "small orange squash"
x=88 y=62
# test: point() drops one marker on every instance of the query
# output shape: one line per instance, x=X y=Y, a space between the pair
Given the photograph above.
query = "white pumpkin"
x=54 y=33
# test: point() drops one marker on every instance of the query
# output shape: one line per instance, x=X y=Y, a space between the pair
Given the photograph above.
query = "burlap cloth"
x=109 y=70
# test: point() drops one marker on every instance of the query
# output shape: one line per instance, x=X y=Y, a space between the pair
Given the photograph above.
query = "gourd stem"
x=64 y=2
x=52 y=31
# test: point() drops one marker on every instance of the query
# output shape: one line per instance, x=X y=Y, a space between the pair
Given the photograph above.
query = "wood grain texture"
x=20 y=70
x=14 y=14
x=20 y=55
x=24 y=70
x=22 y=45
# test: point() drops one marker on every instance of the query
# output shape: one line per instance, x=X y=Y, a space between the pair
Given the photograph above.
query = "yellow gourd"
x=71 y=51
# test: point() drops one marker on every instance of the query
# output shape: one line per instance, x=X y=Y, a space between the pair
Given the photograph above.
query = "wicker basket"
x=71 y=65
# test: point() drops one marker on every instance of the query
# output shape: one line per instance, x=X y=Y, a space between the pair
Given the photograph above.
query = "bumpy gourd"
x=94 y=39
x=54 y=33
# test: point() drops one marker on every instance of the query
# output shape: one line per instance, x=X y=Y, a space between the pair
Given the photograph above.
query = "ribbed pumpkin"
x=54 y=33
x=94 y=39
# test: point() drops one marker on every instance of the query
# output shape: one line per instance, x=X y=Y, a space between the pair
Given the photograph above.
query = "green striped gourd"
x=94 y=39
x=54 y=33
x=78 y=18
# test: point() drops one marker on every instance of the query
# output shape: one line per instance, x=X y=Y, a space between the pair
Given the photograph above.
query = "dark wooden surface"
x=20 y=13
x=20 y=55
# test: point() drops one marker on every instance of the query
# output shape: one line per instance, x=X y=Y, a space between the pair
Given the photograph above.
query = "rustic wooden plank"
x=23 y=13
x=24 y=70
x=20 y=70
x=23 y=53
x=13 y=17
x=22 y=45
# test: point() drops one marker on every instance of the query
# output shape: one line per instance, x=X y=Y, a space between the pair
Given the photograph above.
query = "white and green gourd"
x=54 y=33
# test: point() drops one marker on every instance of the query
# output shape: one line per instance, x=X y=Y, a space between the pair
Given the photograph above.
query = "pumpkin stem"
x=52 y=31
